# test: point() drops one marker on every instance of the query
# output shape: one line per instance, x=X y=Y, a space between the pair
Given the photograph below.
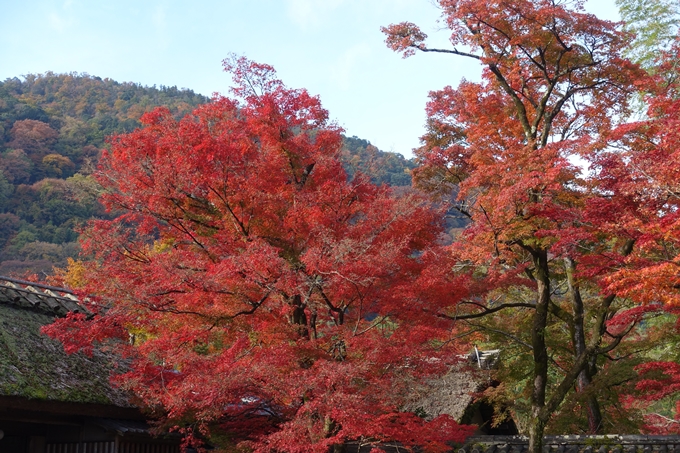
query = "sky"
x=333 y=48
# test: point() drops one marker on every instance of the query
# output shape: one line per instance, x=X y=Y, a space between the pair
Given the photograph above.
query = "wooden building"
x=52 y=402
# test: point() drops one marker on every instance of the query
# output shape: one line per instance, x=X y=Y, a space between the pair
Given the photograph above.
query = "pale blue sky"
x=333 y=48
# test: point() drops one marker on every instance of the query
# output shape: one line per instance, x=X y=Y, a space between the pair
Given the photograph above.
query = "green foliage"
x=615 y=376
x=57 y=165
x=6 y=190
x=9 y=224
x=655 y=25
x=52 y=127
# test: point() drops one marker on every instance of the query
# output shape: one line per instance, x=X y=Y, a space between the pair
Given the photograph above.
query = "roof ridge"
x=50 y=299
x=35 y=284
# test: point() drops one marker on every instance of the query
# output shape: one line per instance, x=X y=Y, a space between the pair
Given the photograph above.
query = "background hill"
x=52 y=127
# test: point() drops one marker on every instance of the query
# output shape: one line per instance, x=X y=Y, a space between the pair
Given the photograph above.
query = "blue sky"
x=333 y=48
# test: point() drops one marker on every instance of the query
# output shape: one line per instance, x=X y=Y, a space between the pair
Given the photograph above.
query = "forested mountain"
x=52 y=128
x=383 y=167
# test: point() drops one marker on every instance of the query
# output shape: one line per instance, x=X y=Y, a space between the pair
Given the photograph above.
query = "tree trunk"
x=540 y=321
x=298 y=317
x=593 y=405
x=330 y=428
x=578 y=339
x=536 y=429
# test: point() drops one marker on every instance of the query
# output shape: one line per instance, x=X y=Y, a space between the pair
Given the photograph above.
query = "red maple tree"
x=641 y=178
x=513 y=148
x=256 y=292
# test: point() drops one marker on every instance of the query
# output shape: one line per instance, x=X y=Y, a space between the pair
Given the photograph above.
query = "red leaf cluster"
x=265 y=295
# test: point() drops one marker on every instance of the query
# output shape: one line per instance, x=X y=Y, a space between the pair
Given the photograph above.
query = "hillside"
x=52 y=128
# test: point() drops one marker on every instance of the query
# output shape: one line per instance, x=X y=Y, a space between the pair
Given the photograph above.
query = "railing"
x=110 y=447
x=82 y=447
x=125 y=447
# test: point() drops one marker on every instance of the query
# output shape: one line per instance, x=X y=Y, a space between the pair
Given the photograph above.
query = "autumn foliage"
x=261 y=299
x=643 y=178
x=525 y=155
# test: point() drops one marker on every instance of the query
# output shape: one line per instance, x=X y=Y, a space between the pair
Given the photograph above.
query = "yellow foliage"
x=163 y=245
x=73 y=276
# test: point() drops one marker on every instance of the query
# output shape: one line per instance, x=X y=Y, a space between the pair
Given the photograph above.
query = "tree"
x=655 y=25
x=16 y=166
x=5 y=190
x=642 y=179
x=57 y=165
x=554 y=86
x=9 y=224
x=258 y=294
x=34 y=137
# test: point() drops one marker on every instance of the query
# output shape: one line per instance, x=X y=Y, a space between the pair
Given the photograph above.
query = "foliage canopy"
x=269 y=298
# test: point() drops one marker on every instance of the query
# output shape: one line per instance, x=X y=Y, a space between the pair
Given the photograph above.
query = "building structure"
x=53 y=402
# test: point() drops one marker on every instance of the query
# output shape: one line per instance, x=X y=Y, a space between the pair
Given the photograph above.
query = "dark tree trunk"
x=540 y=321
x=298 y=317
x=578 y=339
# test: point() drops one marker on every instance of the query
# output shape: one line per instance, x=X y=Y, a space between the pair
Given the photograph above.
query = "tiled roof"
x=48 y=299
x=552 y=444
x=576 y=444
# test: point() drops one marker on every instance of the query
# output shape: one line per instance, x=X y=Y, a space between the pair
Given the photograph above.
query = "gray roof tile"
x=577 y=444
x=48 y=299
